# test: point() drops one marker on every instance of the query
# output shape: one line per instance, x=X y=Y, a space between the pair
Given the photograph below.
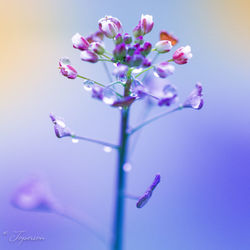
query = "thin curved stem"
x=145 y=70
x=152 y=120
x=86 y=78
x=95 y=141
x=107 y=71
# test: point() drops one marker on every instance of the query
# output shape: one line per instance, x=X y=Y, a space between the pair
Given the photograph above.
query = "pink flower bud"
x=137 y=31
x=182 y=55
x=89 y=56
x=95 y=37
x=79 y=42
x=110 y=26
x=164 y=69
x=97 y=47
x=66 y=68
x=146 y=23
x=163 y=46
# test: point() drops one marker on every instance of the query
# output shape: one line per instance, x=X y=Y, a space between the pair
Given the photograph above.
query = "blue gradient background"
x=203 y=201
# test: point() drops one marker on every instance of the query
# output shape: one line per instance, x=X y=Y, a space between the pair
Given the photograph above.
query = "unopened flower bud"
x=118 y=39
x=195 y=99
x=66 y=68
x=137 y=31
x=163 y=46
x=127 y=38
x=137 y=60
x=110 y=26
x=97 y=47
x=146 y=62
x=95 y=37
x=79 y=42
x=182 y=55
x=164 y=69
x=146 y=23
x=139 y=40
x=89 y=56
x=119 y=51
x=146 y=48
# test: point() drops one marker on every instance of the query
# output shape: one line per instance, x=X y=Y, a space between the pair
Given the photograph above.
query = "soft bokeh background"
x=203 y=201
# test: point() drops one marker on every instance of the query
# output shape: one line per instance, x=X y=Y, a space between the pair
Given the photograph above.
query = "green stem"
x=152 y=120
x=145 y=70
x=85 y=78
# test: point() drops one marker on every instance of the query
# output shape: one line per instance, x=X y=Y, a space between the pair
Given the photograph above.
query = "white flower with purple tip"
x=110 y=26
x=66 y=68
x=182 y=55
x=79 y=42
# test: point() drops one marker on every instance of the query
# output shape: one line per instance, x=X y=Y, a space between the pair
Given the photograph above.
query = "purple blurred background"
x=203 y=201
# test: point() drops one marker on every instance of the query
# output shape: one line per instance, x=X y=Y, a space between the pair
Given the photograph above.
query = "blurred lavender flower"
x=120 y=71
x=195 y=99
x=34 y=195
x=61 y=130
x=164 y=69
x=169 y=95
x=147 y=195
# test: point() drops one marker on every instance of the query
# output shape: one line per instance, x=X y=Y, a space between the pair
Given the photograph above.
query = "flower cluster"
x=131 y=58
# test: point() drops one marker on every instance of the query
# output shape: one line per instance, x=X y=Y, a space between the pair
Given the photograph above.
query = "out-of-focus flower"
x=110 y=26
x=97 y=47
x=139 y=40
x=119 y=51
x=79 y=42
x=127 y=38
x=182 y=55
x=164 y=35
x=163 y=46
x=137 y=60
x=126 y=101
x=195 y=99
x=118 y=39
x=146 y=62
x=147 y=195
x=97 y=92
x=137 y=31
x=34 y=195
x=120 y=71
x=164 y=69
x=66 y=68
x=61 y=130
x=89 y=56
x=95 y=37
x=146 y=23
x=169 y=96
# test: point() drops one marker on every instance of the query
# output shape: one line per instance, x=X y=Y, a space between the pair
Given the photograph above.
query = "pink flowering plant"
x=130 y=82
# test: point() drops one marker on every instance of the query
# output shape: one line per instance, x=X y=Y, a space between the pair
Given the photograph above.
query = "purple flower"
x=79 y=42
x=97 y=47
x=61 y=130
x=169 y=95
x=146 y=48
x=120 y=71
x=34 y=195
x=164 y=69
x=97 y=92
x=119 y=51
x=89 y=56
x=147 y=195
x=137 y=31
x=110 y=26
x=163 y=46
x=95 y=37
x=127 y=38
x=146 y=62
x=182 y=55
x=118 y=39
x=66 y=68
x=195 y=99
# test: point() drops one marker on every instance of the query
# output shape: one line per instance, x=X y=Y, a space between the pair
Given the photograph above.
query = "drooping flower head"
x=182 y=55
x=66 y=69
x=110 y=26
x=61 y=130
x=79 y=42
x=147 y=195
x=195 y=99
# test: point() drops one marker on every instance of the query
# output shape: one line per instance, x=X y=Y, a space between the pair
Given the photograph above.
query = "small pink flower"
x=89 y=56
x=164 y=69
x=79 y=42
x=146 y=23
x=95 y=37
x=163 y=46
x=110 y=26
x=66 y=68
x=182 y=55
x=97 y=47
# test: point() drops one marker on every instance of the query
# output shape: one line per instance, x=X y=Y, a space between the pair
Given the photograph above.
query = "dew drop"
x=88 y=85
x=107 y=149
x=74 y=140
x=127 y=167
x=61 y=123
x=156 y=74
x=109 y=96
